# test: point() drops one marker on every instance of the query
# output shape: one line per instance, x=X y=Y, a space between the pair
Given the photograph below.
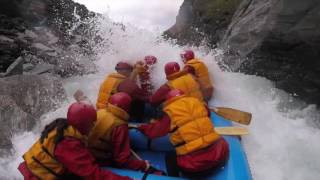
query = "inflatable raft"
x=237 y=167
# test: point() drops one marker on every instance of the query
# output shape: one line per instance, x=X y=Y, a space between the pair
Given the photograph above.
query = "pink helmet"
x=81 y=116
x=121 y=100
x=171 y=67
x=187 y=55
x=150 y=60
x=123 y=66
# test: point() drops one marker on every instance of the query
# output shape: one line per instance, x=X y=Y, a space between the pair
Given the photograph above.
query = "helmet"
x=81 y=116
x=187 y=55
x=171 y=67
x=174 y=93
x=121 y=100
x=123 y=66
x=150 y=60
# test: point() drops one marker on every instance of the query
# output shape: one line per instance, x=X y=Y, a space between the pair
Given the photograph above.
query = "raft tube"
x=237 y=167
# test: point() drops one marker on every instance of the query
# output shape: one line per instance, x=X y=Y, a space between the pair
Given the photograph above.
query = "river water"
x=284 y=138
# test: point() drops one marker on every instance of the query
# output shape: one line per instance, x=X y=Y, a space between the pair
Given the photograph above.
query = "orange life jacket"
x=40 y=157
x=185 y=82
x=107 y=88
x=100 y=135
x=202 y=75
x=191 y=128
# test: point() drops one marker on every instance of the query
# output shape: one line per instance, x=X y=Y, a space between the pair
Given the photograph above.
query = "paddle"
x=136 y=155
x=231 y=130
x=233 y=115
x=150 y=169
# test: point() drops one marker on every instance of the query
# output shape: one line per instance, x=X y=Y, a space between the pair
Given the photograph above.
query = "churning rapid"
x=283 y=141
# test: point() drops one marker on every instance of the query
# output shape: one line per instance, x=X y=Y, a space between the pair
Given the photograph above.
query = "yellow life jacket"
x=100 y=135
x=191 y=128
x=201 y=72
x=40 y=157
x=107 y=88
x=185 y=82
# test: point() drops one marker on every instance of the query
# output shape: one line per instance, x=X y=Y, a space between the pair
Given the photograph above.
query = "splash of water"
x=281 y=145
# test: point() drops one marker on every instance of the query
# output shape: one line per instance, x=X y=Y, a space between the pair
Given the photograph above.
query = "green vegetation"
x=216 y=10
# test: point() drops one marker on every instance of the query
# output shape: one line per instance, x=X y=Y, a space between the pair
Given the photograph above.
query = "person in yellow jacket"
x=109 y=139
x=110 y=84
x=176 y=80
x=200 y=71
x=61 y=151
x=187 y=119
x=124 y=81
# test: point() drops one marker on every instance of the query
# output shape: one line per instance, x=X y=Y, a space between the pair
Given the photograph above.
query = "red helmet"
x=121 y=100
x=174 y=93
x=171 y=67
x=150 y=60
x=187 y=55
x=123 y=66
x=81 y=116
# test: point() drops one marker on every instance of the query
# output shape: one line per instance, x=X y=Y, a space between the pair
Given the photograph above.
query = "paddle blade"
x=235 y=131
x=233 y=115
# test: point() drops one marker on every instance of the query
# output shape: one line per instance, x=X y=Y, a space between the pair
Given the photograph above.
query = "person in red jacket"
x=109 y=139
x=198 y=148
x=123 y=81
x=61 y=151
x=176 y=80
x=198 y=69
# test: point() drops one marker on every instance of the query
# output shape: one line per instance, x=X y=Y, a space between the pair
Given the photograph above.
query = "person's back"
x=109 y=139
x=191 y=128
x=197 y=146
x=182 y=80
x=200 y=71
x=40 y=158
x=61 y=153
x=176 y=80
x=111 y=83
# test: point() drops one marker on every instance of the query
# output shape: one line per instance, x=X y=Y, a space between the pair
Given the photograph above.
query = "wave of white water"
x=283 y=142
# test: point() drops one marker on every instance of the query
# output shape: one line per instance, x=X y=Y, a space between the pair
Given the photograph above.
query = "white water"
x=281 y=145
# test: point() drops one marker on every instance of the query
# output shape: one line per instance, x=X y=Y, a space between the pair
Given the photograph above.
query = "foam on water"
x=281 y=145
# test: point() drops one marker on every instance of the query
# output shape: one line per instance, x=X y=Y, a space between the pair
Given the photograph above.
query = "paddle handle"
x=232 y=131
x=135 y=155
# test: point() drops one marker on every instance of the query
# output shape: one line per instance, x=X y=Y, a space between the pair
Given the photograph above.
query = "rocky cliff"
x=202 y=21
x=49 y=32
x=41 y=41
x=277 y=39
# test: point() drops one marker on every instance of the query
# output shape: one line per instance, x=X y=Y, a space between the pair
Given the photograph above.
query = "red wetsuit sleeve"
x=189 y=69
x=130 y=87
x=160 y=95
x=121 y=149
x=156 y=129
x=74 y=155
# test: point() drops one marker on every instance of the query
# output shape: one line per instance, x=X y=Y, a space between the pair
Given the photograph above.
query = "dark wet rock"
x=34 y=94
x=12 y=120
x=38 y=69
x=45 y=30
x=279 y=40
x=15 y=68
x=23 y=99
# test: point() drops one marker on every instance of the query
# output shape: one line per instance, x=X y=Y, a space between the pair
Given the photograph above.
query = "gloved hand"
x=153 y=120
x=79 y=96
x=147 y=165
x=156 y=171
